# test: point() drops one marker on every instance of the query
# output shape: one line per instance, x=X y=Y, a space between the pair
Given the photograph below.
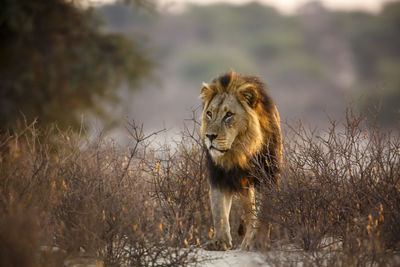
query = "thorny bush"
x=339 y=195
x=64 y=196
x=71 y=197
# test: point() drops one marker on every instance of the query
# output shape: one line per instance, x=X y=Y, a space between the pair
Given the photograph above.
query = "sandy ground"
x=231 y=258
x=234 y=258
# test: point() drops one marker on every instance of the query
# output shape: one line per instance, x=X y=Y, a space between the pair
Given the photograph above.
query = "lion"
x=240 y=129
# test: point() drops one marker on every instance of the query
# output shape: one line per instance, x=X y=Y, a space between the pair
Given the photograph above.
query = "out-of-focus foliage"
x=375 y=41
x=313 y=60
x=55 y=62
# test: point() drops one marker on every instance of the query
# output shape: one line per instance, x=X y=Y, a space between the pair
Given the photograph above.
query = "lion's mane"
x=258 y=148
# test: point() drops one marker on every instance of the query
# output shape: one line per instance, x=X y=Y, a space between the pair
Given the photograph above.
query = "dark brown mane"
x=265 y=161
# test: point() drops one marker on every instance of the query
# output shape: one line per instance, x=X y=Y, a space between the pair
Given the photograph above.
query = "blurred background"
x=104 y=62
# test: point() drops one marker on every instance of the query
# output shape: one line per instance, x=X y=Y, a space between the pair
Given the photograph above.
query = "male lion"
x=241 y=130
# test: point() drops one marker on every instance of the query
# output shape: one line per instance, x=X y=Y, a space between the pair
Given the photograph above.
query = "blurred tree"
x=55 y=62
x=375 y=41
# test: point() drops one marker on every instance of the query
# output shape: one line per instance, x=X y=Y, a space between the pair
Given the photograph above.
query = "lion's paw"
x=219 y=245
x=248 y=245
x=253 y=243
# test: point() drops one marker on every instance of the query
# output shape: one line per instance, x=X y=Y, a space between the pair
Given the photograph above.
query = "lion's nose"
x=211 y=136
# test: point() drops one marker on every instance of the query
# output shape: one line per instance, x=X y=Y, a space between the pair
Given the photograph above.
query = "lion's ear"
x=248 y=94
x=206 y=93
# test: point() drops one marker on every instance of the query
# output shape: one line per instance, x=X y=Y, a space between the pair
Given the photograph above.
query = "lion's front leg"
x=252 y=238
x=220 y=206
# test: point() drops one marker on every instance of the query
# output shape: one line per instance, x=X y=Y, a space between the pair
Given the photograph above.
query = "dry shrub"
x=18 y=237
x=147 y=204
x=180 y=188
x=339 y=196
x=96 y=199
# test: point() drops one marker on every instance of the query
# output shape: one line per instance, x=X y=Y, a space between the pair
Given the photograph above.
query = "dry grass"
x=339 y=198
x=97 y=199
x=338 y=201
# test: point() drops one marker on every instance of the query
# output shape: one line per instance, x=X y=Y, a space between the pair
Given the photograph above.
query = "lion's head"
x=234 y=119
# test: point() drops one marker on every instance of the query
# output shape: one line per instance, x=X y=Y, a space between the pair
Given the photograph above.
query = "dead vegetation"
x=338 y=202
x=136 y=206
x=339 y=198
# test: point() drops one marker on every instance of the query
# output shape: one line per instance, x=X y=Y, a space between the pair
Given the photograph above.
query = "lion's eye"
x=209 y=114
x=228 y=115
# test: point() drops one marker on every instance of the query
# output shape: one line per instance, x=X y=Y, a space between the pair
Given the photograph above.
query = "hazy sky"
x=288 y=6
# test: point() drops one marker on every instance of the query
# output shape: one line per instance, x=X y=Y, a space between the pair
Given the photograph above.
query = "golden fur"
x=240 y=125
x=253 y=124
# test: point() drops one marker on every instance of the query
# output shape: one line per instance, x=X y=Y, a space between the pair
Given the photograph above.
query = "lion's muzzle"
x=220 y=150
x=211 y=137
x=212 y=145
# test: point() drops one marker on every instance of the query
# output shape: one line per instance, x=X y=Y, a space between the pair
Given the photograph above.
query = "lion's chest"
x=233 y=180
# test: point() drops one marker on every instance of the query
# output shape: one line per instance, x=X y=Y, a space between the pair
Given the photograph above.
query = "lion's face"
x=231 y=128
x=223 y=120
